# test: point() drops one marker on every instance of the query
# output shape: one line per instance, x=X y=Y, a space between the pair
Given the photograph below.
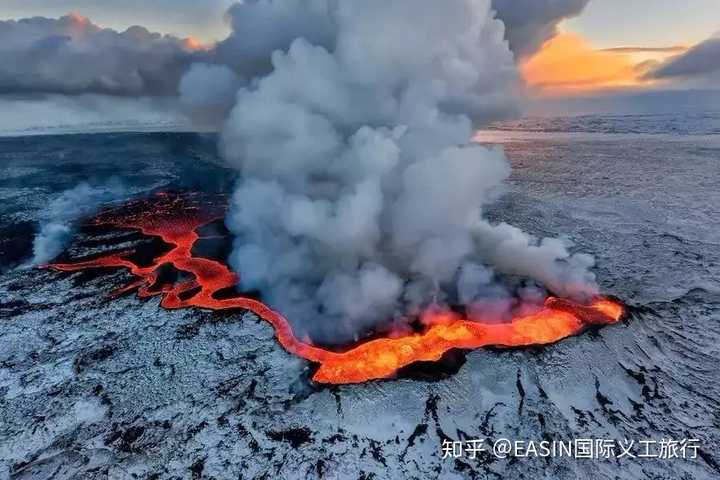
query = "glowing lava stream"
x=176 y=221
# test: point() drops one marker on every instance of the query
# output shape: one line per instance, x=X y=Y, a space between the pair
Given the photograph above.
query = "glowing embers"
x=177 y=220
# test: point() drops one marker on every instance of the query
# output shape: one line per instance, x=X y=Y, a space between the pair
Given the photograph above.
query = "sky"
x=615 y=44
x=604 y=23
x=203 y=19
x=611 y=47
x=647 y=23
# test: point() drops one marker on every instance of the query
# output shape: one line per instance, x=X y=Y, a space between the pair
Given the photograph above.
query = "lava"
x=176 y=220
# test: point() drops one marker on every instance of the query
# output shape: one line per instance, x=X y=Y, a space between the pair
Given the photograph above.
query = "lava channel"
x=176 y=220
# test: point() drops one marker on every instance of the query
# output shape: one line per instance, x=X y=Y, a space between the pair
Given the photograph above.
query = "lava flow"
x=177 y=219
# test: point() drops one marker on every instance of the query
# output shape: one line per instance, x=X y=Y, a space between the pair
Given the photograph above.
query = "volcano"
x=177 y=219
x=95 y=383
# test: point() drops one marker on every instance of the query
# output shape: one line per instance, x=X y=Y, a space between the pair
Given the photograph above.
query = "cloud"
x=202 y=19
x=530 y=23
x=702 y=60
x=673 y=49
x=260 y=27
x=71 y=56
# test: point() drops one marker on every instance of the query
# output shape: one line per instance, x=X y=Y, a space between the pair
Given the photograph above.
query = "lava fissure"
x=176 y=219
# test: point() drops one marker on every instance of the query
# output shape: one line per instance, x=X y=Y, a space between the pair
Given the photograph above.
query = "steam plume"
x=361 y=198
x=207 y=93
x=64 y=211
x=72 y=55
x=262 y=27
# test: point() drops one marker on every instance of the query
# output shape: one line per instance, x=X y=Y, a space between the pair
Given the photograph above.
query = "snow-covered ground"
x=124 y=389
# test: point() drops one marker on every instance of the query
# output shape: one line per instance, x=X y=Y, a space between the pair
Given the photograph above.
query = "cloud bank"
x=72 y=56
x=530 y=23
x=202 y=19
x=702 y=60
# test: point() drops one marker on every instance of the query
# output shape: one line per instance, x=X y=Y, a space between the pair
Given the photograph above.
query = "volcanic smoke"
x=177 y=219
x=58 y=218
x=360 y=204
x=361 y=196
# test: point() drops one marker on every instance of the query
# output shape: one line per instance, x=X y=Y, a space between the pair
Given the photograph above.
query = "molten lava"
x=177 y=219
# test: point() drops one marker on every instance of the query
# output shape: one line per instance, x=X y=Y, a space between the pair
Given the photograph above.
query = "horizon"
x=568 y=59
x=585 y=57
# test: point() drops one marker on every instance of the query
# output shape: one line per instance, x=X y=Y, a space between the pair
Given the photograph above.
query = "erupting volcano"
x=177 y=219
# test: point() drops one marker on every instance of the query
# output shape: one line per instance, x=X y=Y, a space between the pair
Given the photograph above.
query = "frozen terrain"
x=91 y=388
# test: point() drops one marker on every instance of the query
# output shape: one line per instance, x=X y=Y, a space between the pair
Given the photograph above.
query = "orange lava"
x=176 y=219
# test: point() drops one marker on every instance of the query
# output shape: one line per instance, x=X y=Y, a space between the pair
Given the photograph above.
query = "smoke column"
x=361 y=199
x=64 y=211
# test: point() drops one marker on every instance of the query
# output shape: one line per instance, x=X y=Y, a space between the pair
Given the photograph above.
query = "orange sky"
x=568 y=64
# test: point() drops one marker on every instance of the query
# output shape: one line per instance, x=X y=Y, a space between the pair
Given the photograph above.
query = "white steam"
x=62 y=213
x=361 y=195
x=207 y=93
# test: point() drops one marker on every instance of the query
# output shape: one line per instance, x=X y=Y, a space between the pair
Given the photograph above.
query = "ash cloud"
x=530 y=23
x=71 y=55
x=64 y=211
x=361 y=197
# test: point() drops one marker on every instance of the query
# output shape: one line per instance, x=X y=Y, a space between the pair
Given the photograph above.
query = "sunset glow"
x=193 y=44
x=568 y=63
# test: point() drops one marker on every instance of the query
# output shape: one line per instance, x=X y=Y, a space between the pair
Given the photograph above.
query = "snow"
x=98 y=389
